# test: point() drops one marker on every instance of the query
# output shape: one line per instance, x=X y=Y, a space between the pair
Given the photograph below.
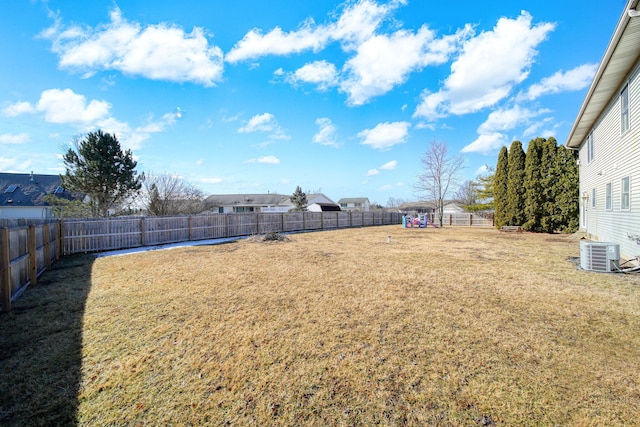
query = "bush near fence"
x=29 y=247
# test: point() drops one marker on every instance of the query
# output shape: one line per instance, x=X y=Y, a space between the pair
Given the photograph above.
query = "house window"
x=624 y=108
x=607 y=203
x=593 y=197
x=624 y=193
x=590 y=148
x=11 y=189
x=243 y=209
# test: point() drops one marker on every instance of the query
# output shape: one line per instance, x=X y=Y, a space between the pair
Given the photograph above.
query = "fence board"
x=25 y=254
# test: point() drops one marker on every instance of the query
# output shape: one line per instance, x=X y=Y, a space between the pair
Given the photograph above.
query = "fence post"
x=59 y=239
x=143 y=236
x=33 y=259
x=189 y=218
x=470 y=219
x=5 y=272
x=47 y=245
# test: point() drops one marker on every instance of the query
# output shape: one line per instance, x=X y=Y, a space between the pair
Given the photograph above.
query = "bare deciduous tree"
x=166 y=194
x=439 y=174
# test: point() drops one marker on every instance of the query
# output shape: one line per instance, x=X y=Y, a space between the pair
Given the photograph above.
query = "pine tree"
x=567 y=191
x=500 y=180
x=100 y=169
x=534 y=193
x=515 y=186
x=548 y=181
x=299 y=200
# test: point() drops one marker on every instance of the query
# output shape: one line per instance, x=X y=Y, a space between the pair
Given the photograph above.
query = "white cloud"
x=486 y=143
x=385 y=135
x=383 y=62
x=212 y=180
x=321 y=73
x=277 y=42
x=507 y=119
x=67 y=107
x=271 y=160
x=372 y=172
x=265 y=122
x=575 y=79
x=380 y=62
x=158 y=52
x=389 y=166
x=8 y=138
x=357 y=22
x=488 y=68
x=326 y=134
x=18 y=108
x=482 y=169
x=492 y=132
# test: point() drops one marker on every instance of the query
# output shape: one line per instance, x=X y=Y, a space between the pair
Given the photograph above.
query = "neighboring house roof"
x=451 y=204
x=23 y=189
x=620 y=57
x=270 y=199
x=353 y=200
x=317 y=198
x=407 y=206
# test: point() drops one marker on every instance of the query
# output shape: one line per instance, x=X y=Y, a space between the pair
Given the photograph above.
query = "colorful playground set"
x=420 y=221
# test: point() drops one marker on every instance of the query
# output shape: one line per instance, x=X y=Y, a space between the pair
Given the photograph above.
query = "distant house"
x=606 y=134
x=265 y=203
x=22 y=195
x=355 y=204
x=429 y=207
x=248 y=203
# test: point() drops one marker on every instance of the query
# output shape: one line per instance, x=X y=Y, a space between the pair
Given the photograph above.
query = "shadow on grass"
x=41 y=348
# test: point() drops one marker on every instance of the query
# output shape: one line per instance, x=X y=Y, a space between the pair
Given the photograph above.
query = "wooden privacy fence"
x=100 y=234
x=25 y=253
x=468 y=219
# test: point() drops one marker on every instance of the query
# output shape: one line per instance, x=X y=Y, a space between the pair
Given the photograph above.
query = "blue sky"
x=262 y=96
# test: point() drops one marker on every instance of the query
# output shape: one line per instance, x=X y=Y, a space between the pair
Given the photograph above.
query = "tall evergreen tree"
x=100 y=169
x=548 y=180
x=515 y=214
x=534 y=193
x=567 y=191
x=299 y=200
x=500 y=184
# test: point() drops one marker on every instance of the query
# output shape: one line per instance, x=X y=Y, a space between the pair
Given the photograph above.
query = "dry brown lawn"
x=453 y=326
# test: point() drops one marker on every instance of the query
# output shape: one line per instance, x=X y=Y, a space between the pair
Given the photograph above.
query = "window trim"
x=590 y=151
x=625 y=196
x=624 y=109
x=608 y=204
x=593 y=197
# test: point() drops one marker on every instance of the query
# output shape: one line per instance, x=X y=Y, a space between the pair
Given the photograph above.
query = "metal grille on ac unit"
x=599 y=256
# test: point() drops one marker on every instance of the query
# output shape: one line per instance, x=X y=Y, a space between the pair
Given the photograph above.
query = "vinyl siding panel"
x=616 y=156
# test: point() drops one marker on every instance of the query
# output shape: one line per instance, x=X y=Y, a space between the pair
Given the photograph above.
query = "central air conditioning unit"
x=599 y=256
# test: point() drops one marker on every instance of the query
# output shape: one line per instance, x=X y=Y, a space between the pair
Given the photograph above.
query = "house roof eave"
x=621 y=55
